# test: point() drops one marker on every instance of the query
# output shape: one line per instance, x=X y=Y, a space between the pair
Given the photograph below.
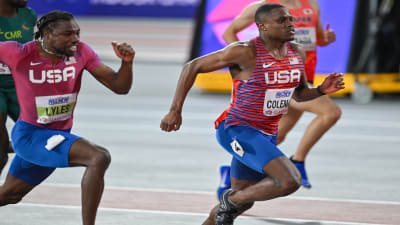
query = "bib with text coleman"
x=277 y=101
x=55 y=108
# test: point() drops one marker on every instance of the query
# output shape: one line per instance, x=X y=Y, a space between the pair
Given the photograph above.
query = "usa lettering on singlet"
x=261 y=100
x=305 y=23
x=47 y=92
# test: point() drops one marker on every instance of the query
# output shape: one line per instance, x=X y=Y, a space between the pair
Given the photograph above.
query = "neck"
x=277 y=48
x=6 y=10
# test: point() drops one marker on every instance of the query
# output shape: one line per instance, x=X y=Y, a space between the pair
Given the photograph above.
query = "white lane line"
x=190 y=214
x=160 y=190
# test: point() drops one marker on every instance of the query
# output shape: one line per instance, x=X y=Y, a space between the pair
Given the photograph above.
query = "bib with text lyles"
x=4 y=69
x=276 y=101
x=306 y=37
x=55 y=108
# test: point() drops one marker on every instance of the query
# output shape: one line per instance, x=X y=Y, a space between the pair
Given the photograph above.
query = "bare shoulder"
x=241 y=46
x=246 y=48
x=240 y=52
x=314 y=4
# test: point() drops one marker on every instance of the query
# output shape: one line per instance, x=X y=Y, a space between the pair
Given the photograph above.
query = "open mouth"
x=73 y=48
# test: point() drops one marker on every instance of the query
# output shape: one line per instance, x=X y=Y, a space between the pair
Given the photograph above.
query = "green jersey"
x=18 y=28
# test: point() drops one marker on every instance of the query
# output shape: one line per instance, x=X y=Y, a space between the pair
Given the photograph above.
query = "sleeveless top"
x=261 y=100
x=305 y=22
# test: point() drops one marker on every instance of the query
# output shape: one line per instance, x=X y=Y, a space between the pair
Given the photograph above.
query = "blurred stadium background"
x=367 y=47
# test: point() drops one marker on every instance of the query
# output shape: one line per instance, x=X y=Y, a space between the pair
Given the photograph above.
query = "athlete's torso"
x=47 y=91
x=18 y=28
x=305 y=22
x=261 y=100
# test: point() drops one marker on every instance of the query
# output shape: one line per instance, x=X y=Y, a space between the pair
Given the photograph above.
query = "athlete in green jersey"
x=16 y=24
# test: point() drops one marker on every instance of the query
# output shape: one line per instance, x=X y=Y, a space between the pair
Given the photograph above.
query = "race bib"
x=4 y=69
x=55 y=108
x=306 y=37
x=276 y=101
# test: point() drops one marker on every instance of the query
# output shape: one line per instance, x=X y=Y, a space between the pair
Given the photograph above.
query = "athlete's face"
x=63 y=38
x=278 y=25
x=17 y=3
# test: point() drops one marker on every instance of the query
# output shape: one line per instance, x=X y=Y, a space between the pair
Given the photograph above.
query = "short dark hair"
x=46 y=21
x=265 y=10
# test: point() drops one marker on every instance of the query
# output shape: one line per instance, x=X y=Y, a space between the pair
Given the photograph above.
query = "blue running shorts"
x=33 y=163
x=250 y=148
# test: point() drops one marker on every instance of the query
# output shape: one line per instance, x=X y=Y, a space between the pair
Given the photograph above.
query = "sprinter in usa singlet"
x=267 y=73
x=257 y=105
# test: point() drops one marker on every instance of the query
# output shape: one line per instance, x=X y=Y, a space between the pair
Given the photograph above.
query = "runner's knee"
x=101 y=158
x=333 y=115
x=289 y=184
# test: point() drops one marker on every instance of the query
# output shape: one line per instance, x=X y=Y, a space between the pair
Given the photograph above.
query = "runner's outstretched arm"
x=230 y=55
x=119 y=82
x=241 y=22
